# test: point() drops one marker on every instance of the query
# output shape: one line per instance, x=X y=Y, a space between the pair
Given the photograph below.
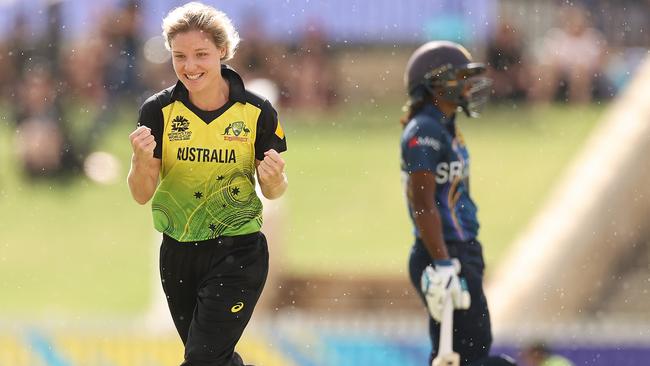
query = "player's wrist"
x=274 y=190
x=443 y=262
x=276 y=182
x=140 y=157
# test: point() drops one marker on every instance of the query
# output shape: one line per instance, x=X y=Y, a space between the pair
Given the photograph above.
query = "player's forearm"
x=429 y=224
x=275 y=189
x=142 y=187
x=142 y=179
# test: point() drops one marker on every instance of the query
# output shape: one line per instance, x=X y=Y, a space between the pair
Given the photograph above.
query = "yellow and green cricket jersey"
x=207 y=184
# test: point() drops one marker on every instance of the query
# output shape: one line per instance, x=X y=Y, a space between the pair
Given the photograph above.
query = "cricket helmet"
x=445 y=69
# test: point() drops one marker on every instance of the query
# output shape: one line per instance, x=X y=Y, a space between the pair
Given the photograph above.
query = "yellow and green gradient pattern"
x=207 y=186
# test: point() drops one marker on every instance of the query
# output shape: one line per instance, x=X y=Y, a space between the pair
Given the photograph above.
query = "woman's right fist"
x=142 y=142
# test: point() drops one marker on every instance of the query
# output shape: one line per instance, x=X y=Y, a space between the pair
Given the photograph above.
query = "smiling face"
x=196 y=60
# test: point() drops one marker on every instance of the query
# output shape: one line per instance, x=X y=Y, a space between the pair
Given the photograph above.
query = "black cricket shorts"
x=212 y=288
x=472 y=328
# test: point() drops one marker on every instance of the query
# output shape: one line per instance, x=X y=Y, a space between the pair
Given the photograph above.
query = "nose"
x=189 y=65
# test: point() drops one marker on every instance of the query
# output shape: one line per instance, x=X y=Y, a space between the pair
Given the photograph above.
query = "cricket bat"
x=446 y=355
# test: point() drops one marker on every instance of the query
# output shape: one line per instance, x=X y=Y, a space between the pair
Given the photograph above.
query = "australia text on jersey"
x=203 y=155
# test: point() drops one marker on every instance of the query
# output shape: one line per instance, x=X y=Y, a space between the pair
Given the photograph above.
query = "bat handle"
x=447 y=328
x=446 y=355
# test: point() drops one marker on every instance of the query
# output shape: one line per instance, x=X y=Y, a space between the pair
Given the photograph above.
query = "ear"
x=222 y=52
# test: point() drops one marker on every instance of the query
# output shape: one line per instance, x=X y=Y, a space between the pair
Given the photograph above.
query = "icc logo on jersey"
x=180 y=129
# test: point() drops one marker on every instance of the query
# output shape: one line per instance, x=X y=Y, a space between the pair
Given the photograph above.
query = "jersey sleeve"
x=270 y=134
x=422 y=148
x=152 y=117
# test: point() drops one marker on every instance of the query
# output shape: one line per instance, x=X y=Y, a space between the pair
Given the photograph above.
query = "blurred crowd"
x=46 y=80
x=575 y=61
x=567 y=64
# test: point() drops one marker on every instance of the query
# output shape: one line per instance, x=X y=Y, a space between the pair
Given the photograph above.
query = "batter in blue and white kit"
x=446 y=258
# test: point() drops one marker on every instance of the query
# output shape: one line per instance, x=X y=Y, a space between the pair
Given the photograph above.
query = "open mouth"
x=194 y=76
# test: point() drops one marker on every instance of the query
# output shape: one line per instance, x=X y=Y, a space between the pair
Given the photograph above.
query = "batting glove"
x=441 y=280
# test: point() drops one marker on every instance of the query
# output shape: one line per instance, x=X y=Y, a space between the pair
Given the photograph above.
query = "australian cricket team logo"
x=236 y=131
x=180 y=129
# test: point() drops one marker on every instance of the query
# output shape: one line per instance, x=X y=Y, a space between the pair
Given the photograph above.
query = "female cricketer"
x=446 y=260
x=197 y=150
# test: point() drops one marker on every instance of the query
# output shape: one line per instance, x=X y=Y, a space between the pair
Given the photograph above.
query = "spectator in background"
x=42 y=140
x=570 y=56
x=254 y=52
x=102 y=71
x=505 y=67
x=538 y=354
x=17 y=51
x=83 y=67
x=120 y=32
x=260 y=61
x=313 y=75
x=102 y=68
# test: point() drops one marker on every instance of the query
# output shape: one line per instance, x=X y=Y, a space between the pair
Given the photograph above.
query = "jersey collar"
x=433 y=111
x=237 y=90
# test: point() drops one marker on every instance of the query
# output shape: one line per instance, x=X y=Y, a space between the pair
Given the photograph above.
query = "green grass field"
x=82 y=248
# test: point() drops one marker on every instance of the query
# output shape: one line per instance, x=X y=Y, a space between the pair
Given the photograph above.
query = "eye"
x=202 y=54
x=179 y=57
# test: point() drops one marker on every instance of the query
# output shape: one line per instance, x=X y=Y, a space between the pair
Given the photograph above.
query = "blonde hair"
x=201 y=17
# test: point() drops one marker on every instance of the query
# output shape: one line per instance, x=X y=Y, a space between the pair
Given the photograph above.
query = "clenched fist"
x=142 y=142
x=270 y=174
x=143 y=176
x=271 y=170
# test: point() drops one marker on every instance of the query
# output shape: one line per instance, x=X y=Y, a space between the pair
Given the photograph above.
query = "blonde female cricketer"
x=196 y=152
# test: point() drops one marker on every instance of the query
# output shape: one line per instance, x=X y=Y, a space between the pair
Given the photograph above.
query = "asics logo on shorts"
x=237 y=307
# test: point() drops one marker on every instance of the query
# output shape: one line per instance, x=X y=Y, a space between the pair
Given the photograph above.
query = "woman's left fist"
x=271 y=169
